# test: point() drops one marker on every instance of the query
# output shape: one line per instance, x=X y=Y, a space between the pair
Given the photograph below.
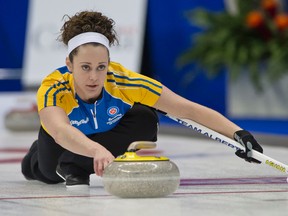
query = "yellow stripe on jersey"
x=57 y=90
x=131 y=86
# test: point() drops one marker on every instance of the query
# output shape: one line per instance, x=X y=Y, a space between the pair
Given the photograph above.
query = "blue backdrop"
x=12 y=39
x=169 y=35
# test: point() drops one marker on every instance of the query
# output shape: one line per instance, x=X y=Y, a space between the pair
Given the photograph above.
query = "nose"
x=93 y=76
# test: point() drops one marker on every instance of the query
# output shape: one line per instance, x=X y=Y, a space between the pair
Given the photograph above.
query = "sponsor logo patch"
x=112 y=111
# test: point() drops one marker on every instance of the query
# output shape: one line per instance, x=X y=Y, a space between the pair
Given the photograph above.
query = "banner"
x=43 y=53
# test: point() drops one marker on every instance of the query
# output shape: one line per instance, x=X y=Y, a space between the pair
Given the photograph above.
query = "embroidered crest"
x=112 y=111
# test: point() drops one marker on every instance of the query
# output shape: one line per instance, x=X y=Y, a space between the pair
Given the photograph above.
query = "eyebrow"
x=91 y=63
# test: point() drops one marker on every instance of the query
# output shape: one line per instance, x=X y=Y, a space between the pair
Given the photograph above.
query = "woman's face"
x=89 y=69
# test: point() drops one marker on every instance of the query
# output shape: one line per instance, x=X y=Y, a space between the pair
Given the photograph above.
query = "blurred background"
x=229 y=55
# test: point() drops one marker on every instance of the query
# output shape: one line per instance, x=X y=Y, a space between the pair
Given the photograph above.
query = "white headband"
x=87 y=37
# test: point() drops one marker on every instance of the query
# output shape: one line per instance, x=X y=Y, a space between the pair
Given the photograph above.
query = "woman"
x=93 y=108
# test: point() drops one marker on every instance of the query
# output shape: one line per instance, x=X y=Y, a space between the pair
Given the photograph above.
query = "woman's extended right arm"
x=57 y=124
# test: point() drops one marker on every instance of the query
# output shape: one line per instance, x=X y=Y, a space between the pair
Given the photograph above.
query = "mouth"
x=92 y=87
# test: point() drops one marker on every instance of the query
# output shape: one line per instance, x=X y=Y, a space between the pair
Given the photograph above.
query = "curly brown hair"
x=87 y=21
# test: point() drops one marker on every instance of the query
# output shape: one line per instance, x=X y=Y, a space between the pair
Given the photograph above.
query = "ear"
x=68 y=64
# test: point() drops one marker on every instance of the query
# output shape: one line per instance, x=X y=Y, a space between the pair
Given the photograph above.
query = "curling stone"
x=22 y=119
x=134 y=176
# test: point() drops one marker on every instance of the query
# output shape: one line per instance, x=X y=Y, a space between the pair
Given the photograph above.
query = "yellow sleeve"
x=53 y=91
x=136 y=87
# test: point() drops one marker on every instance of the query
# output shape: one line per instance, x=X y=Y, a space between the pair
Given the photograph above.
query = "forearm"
x=56 y=122
x=180 y=107
x=214 y=120
x=75 y=141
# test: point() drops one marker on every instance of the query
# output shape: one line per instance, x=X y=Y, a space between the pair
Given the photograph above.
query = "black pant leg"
x=48 y=154
x=41 y=160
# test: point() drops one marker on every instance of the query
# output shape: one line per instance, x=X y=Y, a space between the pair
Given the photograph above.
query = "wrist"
x=94 y=149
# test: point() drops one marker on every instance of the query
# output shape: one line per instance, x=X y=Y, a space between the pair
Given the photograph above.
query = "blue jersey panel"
x=101 y=116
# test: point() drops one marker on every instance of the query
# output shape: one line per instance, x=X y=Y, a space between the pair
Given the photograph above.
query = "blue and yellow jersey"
x=122 y=89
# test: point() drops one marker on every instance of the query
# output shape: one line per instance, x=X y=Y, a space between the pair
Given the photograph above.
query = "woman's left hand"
x=246 y=139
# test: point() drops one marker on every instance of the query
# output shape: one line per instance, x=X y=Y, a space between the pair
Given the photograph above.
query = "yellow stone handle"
x=134 y=146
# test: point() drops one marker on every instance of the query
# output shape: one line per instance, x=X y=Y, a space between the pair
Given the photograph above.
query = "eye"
x=85 y=67
x=101 y=67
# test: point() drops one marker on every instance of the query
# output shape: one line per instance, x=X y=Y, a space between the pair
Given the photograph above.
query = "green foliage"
x=226 y=42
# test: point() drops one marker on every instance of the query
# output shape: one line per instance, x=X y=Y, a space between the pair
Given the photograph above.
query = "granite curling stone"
x=134 y=176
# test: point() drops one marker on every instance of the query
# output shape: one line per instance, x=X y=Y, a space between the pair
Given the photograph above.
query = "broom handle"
x=229 y=142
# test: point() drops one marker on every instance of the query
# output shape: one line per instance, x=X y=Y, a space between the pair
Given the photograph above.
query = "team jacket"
x=122 y=89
